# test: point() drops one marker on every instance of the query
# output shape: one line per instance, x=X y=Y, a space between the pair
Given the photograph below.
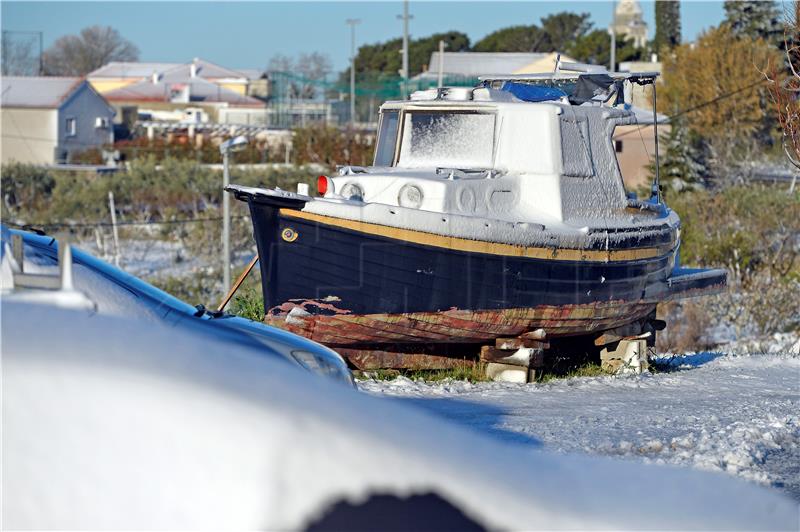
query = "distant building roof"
x=169 y=71
x=202 y=69
x=474 y=64
x=47 y=92
x=117 y=69
x=191 y=89
x=253 y=73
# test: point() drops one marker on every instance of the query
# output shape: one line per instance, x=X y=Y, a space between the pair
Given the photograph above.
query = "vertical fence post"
x=113 y=210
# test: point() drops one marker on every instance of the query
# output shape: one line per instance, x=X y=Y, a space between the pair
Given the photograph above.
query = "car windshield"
x=452 y=139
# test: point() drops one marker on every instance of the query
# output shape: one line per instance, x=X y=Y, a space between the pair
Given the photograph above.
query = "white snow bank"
x=734 y=414
x=112 y=423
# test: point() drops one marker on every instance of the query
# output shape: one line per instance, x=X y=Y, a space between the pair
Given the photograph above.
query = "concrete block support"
x=629 y=356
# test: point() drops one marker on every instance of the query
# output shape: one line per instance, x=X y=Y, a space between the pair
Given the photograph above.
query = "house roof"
x=46 y=92
x=117 y=69
x=473 y=64
x=205 y=69
x=200 y=90
x=169 y=71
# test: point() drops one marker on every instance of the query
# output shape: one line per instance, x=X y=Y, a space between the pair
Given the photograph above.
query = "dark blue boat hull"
x=343 y=283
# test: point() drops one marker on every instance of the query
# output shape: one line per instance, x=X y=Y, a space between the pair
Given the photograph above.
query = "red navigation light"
x=322 y=185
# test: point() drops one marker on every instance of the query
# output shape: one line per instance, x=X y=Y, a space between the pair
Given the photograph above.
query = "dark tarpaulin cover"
x=591 y=85
x=532 y=93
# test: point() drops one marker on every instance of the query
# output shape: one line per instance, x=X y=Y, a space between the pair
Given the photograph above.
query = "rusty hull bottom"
x=460 y=326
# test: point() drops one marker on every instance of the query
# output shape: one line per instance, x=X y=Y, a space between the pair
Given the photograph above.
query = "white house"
x=45 y=119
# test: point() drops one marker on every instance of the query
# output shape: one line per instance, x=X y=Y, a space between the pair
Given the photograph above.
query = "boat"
x=495 y=211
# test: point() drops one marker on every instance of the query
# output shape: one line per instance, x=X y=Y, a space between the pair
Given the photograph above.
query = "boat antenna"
x=656 y=191
x=555 y=70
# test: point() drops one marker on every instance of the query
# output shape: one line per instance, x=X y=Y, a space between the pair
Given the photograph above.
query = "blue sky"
x=247 y=34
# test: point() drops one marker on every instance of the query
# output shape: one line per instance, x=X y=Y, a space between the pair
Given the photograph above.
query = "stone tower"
x=628 y=21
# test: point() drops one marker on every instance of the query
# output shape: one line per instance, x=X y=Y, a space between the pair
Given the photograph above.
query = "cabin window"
x=387 y=138
x=576 y=148
x=449 y=139
x=71 y=127
x=618 y=146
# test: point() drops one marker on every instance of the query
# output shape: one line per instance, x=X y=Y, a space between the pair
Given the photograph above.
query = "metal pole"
x=441 y=64
x=405 y=49
x=656 y=185
x=113 y=209
x=226 y=226
x=353 y=22
x=41 y=53
x=612 y=31
x=612 y=63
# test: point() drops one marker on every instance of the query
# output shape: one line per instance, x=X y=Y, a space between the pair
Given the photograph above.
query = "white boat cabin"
x=485 y=152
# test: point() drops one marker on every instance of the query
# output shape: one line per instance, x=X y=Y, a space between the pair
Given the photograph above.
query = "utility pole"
x=405 y=17
x=612 y=67
x=353 y=22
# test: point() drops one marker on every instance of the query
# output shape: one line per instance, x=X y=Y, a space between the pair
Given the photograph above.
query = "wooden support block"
x=519 y=342
x=538 y=334
x=524 y=357
x=629 y=356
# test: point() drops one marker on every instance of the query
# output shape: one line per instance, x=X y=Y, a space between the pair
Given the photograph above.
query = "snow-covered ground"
x=737 y=412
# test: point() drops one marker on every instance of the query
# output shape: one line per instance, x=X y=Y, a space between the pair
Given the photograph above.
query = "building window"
x=72 y=127
x=618 y=146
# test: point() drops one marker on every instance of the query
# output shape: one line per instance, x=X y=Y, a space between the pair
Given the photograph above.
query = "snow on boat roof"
x=567 y=76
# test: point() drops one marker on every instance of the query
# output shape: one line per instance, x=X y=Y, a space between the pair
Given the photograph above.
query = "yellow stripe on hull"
x=479 y=246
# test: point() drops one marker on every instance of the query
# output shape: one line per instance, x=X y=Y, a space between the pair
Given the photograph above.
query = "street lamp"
x=226 y=148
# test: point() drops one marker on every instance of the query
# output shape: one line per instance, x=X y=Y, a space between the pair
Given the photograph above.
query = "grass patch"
x=585 y=370
x=466 y=372
x=477 y=373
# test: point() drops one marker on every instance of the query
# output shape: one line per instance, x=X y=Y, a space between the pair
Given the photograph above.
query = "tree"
x=754 y=19
x=683 y=161
x=595 y=48
x=785 y=86
x=18 y=56
x=562 y=29
x=95 y=46
x=717 y=79
x=556 y=33
x=512 y=39
x=373 y=60
x=668 y=25
x=304 y=77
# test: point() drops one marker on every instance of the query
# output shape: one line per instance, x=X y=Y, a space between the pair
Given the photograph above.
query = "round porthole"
x=466 y=200
x=410 y=196
x=353 y=191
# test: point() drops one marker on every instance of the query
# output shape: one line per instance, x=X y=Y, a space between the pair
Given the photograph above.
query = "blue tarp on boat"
x=532 y=93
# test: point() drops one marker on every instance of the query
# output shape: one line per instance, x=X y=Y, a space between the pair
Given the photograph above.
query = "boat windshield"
x=452 y=139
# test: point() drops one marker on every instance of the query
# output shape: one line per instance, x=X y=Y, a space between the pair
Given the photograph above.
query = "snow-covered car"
x=129 y=424
x=116 y=292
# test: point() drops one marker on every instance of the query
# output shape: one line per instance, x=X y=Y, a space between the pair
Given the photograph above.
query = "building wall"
x=104 y=85
x=546 y=64
x=637 y=147
x=29 y=135
x=236 y=86
x=85 y=106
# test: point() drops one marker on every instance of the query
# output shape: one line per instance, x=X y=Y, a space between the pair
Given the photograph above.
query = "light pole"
x=405 y=18
x=226 y=148
x=353 y=22
x=442 y=44
x=612 y=32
